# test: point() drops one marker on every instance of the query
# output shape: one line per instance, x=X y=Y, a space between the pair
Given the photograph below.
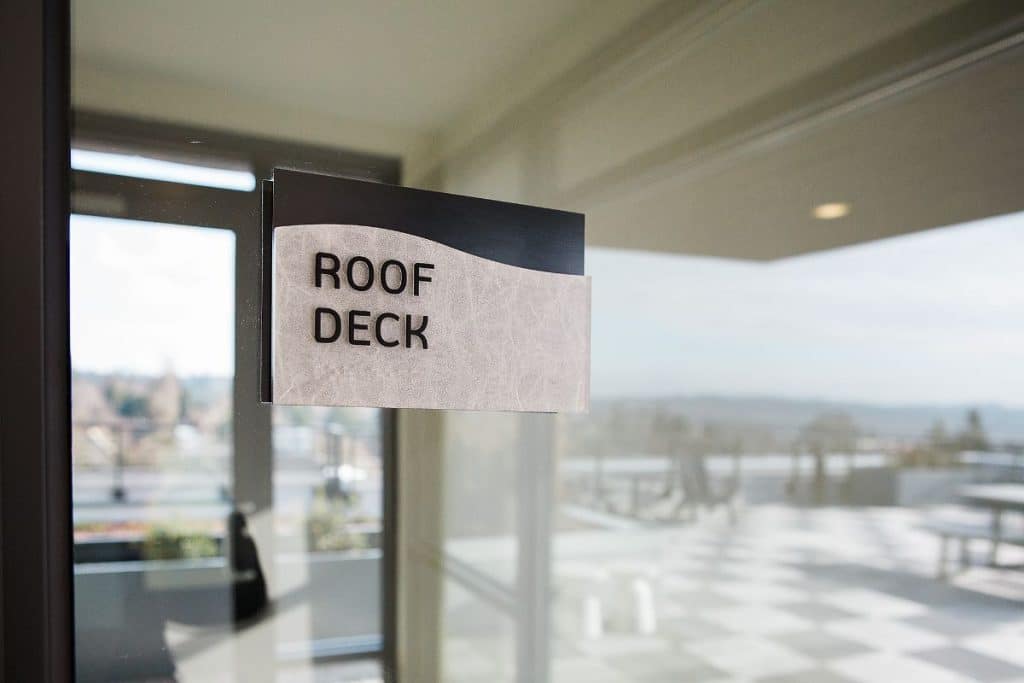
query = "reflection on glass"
x=776 y=476
x=173 y=580
x=327 y=520
x=161 y=555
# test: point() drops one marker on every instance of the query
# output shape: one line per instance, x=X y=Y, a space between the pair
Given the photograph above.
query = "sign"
x=391 y=297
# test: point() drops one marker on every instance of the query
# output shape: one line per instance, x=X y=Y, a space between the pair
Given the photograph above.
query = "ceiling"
x=938 y=155
x=692 y=126
x=412 y=64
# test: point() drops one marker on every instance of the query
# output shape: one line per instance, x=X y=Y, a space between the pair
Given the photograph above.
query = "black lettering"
x=332 y=270
x=409 y=331
x=417 y=278
x=380 y=321
x=318 y=326
x=384 y=277
x=353 y=326
x=350 y=272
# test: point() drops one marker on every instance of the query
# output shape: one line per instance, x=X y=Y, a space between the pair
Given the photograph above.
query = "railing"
x=145 y=448
x=628 y=483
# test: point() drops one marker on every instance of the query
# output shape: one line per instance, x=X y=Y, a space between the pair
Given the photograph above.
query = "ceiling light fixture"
x=135 y=166
x=831 y=211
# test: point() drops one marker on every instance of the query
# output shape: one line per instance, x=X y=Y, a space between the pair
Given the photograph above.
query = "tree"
x=133 y=405
x=165 y=399
x=833 y=432
x=938 y=439
x=127 y=401
x=973 y=437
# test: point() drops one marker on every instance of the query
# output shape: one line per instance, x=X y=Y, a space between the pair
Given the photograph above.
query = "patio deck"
x=787 y=595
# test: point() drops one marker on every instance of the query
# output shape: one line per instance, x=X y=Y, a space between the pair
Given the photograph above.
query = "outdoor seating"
x=620 y=596
x=962 y=525
x=700 y=492
x=689 y=493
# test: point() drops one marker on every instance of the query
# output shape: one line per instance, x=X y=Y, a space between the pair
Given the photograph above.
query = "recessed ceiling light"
x=831 y=211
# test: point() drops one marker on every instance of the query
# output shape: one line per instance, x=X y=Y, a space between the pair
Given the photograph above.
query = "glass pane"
x=328 y=526
x=479 y=638
x=804 y=232
x=152 y=343
x=181 y=572
x=766 y=489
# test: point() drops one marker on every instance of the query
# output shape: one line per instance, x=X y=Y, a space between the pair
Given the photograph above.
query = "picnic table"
x=998 y=498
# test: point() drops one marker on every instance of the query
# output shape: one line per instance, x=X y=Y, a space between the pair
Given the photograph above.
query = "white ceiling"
x=625 y=110
x=394 y=62
x=938 y=155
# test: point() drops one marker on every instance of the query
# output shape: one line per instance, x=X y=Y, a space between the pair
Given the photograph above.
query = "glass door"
x=215 y=538
x=805 y=450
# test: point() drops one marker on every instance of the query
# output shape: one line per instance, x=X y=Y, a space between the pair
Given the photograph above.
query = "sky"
x=147 y=298
x=934 y=317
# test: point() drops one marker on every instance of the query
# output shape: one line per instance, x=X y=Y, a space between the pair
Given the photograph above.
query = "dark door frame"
x=36 y=642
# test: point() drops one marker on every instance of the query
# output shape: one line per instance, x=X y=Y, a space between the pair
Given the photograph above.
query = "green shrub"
x=328 y=527
x=168 y=542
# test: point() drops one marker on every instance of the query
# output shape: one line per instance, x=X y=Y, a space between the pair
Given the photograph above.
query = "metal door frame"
x=36 y=641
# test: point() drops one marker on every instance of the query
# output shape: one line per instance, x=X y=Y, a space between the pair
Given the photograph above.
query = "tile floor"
x=819 y=595
x=787 y=595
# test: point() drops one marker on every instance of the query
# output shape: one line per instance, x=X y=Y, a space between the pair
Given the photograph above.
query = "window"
x=214 y=536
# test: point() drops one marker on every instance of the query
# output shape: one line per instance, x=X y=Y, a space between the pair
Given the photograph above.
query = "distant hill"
x=783 y=416
x=788 y=415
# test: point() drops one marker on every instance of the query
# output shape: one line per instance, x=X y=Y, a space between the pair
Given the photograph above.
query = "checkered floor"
x=784 y=596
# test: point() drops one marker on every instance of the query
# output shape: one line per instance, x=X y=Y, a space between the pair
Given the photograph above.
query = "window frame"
x=36 y=637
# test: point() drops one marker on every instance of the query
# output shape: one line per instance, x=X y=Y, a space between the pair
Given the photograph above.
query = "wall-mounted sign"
x=390 y=297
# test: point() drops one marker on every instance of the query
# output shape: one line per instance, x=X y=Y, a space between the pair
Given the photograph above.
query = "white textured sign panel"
x=367 y=316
